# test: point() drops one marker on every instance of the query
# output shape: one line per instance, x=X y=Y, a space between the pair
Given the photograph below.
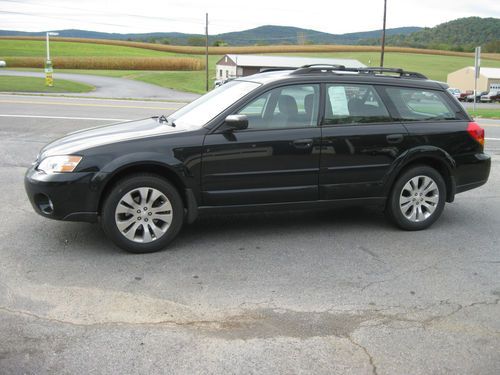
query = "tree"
x=492 y=47
x=219 y=43
x=196 y=41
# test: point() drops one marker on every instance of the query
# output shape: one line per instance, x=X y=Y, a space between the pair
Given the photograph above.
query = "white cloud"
x=125 y=16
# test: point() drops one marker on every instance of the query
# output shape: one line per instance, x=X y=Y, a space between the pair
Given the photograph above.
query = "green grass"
x=434 y=66
x=37 y=48
x=32 y=84
x=485 y=113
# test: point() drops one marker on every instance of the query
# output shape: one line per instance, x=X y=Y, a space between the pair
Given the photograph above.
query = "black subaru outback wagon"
x=311 y=137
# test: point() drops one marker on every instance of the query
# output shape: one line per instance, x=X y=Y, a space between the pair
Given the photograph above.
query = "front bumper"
x=63 y=196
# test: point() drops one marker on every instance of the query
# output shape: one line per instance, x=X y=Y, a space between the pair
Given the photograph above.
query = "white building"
x=463 y=79
x=232 y=66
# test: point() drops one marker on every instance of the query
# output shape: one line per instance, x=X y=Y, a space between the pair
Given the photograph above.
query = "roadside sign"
x=49 y=80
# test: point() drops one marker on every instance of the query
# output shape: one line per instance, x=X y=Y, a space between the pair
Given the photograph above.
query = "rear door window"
x=421 y=105
x=353 y=104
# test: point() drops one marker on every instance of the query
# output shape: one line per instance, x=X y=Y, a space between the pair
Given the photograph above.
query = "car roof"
x=331 y=75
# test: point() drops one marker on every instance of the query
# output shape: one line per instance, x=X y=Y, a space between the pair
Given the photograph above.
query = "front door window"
x=293 y=106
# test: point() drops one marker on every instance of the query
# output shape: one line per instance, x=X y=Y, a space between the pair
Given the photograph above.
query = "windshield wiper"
x=163 y=120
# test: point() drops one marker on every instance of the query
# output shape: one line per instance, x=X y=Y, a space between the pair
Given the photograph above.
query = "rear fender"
x=427 y=155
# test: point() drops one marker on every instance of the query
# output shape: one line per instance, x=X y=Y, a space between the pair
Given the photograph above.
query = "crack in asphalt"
x=367 y=353
x=405 y=273
x=264 y=323
x=272 y=315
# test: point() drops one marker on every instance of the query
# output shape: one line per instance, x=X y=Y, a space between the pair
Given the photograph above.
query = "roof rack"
x=311 y=68
x=389 y=72
x=274 y=69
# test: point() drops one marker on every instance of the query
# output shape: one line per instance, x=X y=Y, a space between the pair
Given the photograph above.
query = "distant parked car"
x=3 y=64
x=470 y=98
x=491 y=97
x=464 y=95
x=455 y=92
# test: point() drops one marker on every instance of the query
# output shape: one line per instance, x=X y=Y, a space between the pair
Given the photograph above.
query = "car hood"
x=73 y=143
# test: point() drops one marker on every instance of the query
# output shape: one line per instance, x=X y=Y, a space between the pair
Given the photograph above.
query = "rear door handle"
x=303 y=143
x=395 y=138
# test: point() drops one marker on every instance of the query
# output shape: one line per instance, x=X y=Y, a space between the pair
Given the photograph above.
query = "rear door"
x=275 y=160
x=360 y=142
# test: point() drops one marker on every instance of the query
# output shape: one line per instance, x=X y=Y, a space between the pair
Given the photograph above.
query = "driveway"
x=329 y=292
x=109 y=87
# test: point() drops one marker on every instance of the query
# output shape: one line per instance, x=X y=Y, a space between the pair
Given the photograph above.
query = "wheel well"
x=158 y=170
x=438 y=165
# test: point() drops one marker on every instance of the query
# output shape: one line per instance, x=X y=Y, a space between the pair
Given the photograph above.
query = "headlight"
x=57 y=164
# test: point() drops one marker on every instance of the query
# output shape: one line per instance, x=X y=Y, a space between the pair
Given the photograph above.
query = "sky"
x=188 y=16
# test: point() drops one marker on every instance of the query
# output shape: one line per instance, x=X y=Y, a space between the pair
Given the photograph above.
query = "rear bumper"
x=62 y=196
x=472 y=172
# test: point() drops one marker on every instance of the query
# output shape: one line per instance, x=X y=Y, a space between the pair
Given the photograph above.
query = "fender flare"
x=423 y=153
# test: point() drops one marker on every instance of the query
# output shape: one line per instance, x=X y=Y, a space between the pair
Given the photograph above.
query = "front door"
x=275 y=160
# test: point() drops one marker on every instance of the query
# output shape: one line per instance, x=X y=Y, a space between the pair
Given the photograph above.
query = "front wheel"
x=417 y=198
x=142 y=213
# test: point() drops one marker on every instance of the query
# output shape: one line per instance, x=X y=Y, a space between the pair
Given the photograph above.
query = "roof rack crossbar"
x=337 y=66
x=264 y=70
x=305 y=69
x=397 y=72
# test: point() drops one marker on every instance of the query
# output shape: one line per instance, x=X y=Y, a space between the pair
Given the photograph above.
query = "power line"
x=59 y=18
x=178 y=19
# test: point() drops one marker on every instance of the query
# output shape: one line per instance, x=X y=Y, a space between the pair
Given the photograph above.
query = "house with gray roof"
x=232 y=66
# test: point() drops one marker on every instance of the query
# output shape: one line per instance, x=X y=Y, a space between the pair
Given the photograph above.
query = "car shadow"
x=90 y=238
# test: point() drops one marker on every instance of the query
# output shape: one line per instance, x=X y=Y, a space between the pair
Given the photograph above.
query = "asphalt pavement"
x=111 y=87
x=325 y=292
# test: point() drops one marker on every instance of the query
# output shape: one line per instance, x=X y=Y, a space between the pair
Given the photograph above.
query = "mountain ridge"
x=266 y=34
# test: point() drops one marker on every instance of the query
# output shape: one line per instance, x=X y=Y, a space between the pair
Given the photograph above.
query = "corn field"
x=257 y=49
x=110 y=63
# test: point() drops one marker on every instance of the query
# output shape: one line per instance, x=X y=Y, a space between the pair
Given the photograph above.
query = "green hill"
x=462 y=34
x=268 y=34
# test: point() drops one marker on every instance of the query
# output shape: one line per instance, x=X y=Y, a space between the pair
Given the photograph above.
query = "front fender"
x=129 y=161
x=144 y=157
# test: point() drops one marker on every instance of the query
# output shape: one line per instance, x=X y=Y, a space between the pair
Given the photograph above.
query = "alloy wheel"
x=143 y=214
x=419 y=198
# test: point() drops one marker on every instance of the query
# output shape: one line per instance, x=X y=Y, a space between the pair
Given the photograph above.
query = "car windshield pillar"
x=198 y=113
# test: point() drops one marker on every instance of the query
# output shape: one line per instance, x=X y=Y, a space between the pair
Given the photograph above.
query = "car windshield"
x=207 y=107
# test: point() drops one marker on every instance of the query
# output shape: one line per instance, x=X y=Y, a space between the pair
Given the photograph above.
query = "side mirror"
x=236 y=122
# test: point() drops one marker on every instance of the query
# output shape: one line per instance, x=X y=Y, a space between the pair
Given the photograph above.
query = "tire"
x=143 y=213
x=416 y=212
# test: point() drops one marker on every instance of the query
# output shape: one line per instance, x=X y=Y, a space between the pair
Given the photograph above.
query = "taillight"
x=476 y=132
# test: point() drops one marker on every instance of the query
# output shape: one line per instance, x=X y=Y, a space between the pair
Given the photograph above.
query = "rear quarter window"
x=421 y=105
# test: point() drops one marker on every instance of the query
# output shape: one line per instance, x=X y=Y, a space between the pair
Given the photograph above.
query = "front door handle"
x=303 y=143
x=395 y=138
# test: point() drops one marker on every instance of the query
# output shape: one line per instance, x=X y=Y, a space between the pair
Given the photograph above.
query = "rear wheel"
x=142 y=213
x=417 y=198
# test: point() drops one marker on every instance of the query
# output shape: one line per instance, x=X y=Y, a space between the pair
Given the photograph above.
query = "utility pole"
x=477 y=67
x=206 y=51
x=383 y=36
